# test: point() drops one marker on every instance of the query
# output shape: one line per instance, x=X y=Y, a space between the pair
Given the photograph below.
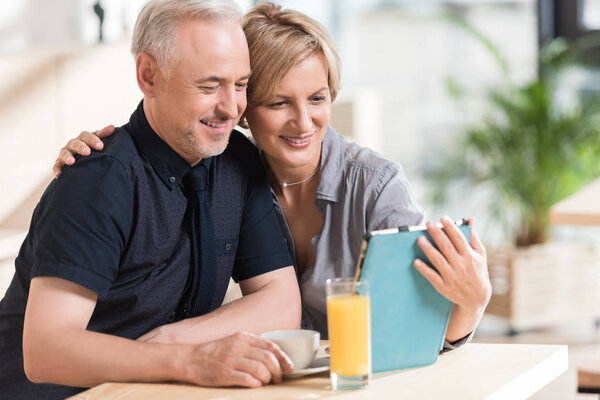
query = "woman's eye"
x=318 y=99
x=278 y=104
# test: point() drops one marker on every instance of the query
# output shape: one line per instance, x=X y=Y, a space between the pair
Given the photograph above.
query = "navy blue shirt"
x=116 y=223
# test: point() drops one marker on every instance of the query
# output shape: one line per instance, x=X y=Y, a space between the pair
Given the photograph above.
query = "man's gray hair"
x=155 y=30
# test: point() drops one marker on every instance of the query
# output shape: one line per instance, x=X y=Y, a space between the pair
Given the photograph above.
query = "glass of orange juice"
x=349 y=325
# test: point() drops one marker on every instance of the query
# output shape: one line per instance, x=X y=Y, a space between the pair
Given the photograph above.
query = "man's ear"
x=147 y=72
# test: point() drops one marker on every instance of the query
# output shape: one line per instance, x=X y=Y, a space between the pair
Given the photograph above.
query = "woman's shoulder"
x=364 y=162
x=386 y=196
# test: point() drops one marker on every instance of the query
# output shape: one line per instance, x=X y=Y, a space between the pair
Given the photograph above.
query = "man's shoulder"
x=119 y=145
x=241 y=153
x=112 y=162
x=240 y=145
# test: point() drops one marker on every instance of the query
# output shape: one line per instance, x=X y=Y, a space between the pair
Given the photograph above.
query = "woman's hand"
x=80 y=145
x=462 y=274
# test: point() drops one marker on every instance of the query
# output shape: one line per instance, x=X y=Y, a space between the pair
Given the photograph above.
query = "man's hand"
x=80 y=145
x=241 y=359
x=462 y=274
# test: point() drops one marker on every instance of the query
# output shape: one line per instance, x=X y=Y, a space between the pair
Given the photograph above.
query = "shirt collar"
x=167 y=164
x=332 y=165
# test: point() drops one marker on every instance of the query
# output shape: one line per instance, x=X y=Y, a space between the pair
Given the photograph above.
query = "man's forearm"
x=274 y=305
x=83 y=358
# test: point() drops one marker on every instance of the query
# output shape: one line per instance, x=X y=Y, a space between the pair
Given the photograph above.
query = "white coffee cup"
x=300 y=345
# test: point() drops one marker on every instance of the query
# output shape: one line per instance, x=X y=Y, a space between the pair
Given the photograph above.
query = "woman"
x=328 y=192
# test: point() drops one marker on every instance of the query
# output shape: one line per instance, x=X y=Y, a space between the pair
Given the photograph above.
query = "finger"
x=255 y=368
x=456 y=237
x=435 y=257
x=268 y=359
x=106 y=131
x=476 y=243
x=444 y=244
x=78 y=147
x=431 y=275
x=66 y=156
x=57 y=167
x=75 y=146
x=239 y=378
x=284 y=361
x=91 y=139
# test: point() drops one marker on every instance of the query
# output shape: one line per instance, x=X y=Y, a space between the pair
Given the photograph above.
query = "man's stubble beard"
x=220 y=143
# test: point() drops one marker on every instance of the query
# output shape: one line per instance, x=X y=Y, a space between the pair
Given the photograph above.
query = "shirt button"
x=172 y=179
x=227 y=246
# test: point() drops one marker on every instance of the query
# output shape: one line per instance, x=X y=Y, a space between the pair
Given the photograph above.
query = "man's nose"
x=227 y=103
x=303 y=120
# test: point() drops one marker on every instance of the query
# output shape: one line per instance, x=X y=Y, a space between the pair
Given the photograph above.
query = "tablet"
x=409 y=317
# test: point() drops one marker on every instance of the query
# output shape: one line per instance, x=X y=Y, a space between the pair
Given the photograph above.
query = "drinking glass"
x=349 y=325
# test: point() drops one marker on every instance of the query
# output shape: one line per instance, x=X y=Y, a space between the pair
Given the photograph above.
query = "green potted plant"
x=532 y=149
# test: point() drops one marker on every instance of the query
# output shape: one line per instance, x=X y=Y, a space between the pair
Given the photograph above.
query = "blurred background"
x=489 y=105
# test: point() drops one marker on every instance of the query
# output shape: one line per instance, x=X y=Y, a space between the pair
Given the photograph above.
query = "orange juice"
x=348 y=322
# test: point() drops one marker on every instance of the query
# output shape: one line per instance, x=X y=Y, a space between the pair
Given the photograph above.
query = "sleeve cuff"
x=261 y=265
x=74 y=273
x=457 y=343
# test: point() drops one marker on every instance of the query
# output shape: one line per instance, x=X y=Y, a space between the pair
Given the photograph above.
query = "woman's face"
x=291 y=127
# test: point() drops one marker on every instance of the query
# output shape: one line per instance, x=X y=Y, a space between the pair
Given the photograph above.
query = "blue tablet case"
x=409 y=317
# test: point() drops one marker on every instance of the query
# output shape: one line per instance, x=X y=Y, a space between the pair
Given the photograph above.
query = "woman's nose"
x=304 y=120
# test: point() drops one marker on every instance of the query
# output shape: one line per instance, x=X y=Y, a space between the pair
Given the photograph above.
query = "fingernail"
x=70 y=160
x=98 y=145
x=446 y=218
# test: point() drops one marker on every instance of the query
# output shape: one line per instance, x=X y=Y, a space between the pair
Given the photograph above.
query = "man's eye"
x=241 y=86
x=209 y=88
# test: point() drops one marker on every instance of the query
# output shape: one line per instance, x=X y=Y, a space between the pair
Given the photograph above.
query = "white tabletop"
x=474 y=371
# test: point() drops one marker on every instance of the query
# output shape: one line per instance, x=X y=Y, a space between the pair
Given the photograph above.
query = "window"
x=570 y=19
x=590 y=14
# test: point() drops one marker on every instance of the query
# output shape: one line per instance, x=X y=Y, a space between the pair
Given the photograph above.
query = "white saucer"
x=318 y=365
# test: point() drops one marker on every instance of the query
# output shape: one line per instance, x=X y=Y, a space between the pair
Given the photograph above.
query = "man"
x=107 y=258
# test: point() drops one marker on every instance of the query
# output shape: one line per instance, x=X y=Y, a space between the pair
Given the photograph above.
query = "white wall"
x=51 y=95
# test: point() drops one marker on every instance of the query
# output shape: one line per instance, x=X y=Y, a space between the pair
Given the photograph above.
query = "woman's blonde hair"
x=278 y=40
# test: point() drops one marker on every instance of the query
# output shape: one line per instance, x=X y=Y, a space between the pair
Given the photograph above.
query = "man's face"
x=204 y=96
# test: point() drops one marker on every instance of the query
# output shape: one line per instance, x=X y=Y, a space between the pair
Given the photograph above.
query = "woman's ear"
x=146 y=72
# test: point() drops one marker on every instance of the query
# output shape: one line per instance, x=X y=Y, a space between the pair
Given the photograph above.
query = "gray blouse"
x=358 y=191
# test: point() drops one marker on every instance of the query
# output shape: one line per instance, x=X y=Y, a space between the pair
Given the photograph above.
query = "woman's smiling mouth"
x=298 y=142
